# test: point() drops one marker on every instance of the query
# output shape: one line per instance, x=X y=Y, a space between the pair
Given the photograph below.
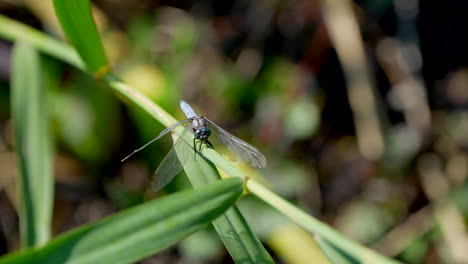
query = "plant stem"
x=132 y=95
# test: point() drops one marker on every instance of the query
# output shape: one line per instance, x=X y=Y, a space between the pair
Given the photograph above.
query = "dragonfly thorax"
x=200 y=128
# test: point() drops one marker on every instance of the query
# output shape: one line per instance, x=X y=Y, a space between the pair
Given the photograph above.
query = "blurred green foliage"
x=270 y=74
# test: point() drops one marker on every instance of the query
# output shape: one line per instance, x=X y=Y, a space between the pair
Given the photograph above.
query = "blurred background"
x=359 y=106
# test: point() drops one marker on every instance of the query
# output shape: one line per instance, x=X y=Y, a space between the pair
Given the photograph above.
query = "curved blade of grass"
x=13 y=31
x=77 y=22
x=138 y=232
x=241 y=242
x=33 y=146
x=132 y=95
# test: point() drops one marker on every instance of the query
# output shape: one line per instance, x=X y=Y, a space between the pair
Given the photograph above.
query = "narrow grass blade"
x=77 y=22
x=239 y=239
x=13 y=31
x=33 y=146
x=241 y=242
x=335 y=255
x=311 y=224
x=138 y=232
x=134 y=96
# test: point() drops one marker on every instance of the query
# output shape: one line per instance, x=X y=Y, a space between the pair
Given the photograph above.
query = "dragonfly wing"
x=187 y=109
x=172 y=164
x=234 y=148
x=164 y=132
x=172 y=127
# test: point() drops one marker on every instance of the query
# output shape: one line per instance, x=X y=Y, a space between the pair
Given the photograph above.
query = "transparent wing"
x=234 y=148
x=164 y=132
x=173 y=163
x=187 y=109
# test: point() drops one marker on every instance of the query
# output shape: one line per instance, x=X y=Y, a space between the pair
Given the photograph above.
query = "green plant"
x=139 y=231
x=33 y=142
x=214 y=199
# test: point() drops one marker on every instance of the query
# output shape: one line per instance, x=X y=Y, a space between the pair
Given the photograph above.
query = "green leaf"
x=33 y=146
x=239 y=239
x=140 y=231
x=241 y=242
x=334 y=254
x=77 y=22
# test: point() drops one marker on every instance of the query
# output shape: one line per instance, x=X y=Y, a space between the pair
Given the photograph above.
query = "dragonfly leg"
x=209 y=144
x=199 y=149
x=194 y=150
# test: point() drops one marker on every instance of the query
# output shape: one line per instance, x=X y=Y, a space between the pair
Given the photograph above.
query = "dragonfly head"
x=202 y=133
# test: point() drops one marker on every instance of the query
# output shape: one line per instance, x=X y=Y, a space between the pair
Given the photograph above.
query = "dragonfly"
x=206 y=132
